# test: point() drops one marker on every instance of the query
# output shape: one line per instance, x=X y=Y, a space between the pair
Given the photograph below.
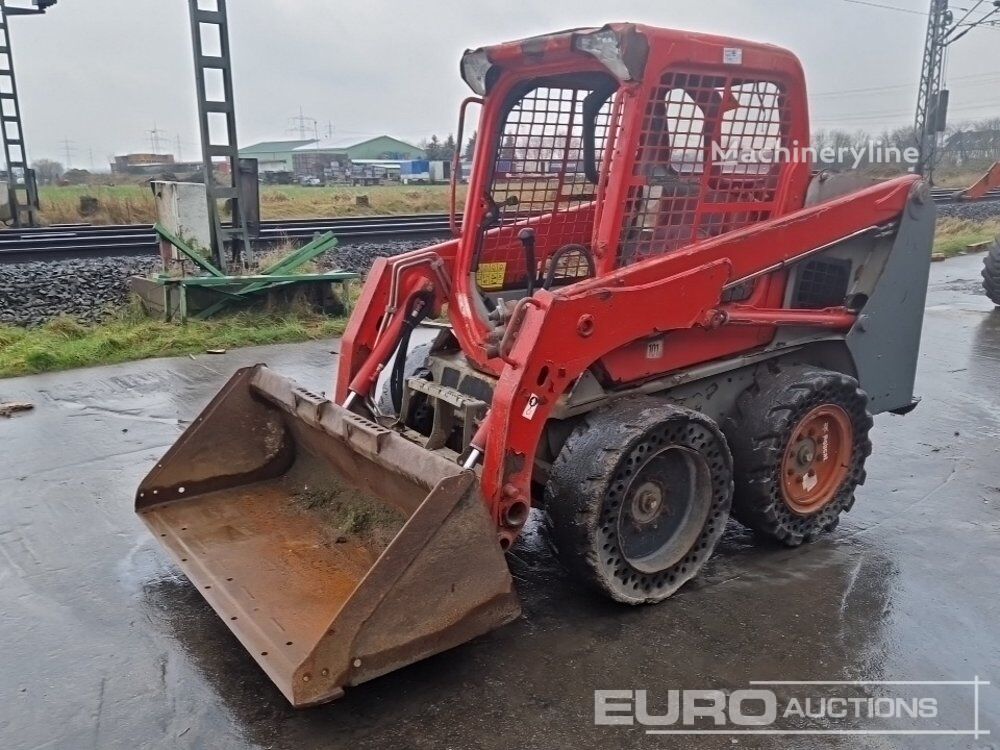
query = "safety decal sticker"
x=491 y=275
x=531 y=407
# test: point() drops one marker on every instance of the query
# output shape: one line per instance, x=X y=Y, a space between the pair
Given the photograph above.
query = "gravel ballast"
x=970 y=210
x=35 y=292
x=358 y=257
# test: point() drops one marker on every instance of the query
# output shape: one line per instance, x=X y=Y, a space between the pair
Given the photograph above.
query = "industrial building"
x=151 y=165
x=313 y=157
x=320 y=157
x=274 y=156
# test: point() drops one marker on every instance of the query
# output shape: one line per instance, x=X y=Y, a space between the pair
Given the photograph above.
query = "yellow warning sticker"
x=491 y=275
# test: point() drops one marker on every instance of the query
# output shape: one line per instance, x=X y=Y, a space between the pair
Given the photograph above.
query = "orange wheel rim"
x=817 y=459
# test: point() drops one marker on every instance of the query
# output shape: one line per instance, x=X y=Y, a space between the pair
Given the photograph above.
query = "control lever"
x=527 y=238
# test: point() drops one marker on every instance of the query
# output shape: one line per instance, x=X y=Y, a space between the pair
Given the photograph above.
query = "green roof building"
x=381 y=147
x=310 y=156
x=274 y=156
x=320 y=157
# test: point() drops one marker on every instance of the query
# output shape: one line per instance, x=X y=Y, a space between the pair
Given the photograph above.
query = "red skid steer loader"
x=657 y=317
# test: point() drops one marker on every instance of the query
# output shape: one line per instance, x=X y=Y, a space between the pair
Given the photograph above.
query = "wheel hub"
x=806 y=454
x=665 y=507
x=817 y=459
x=647 y=503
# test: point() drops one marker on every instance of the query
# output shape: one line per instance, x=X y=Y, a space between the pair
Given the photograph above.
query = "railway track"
x=128 y=240
x=89 y=241
x=947 y=195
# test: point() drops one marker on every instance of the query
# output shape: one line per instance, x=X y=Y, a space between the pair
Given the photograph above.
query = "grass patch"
x=133 y=204
x=270 y=258
x=958 y=177
x=119 y=204
x=63 y=343
x=953 y=235
x=346 y=514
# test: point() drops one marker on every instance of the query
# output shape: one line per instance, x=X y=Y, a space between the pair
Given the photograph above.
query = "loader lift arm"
x=392 y=288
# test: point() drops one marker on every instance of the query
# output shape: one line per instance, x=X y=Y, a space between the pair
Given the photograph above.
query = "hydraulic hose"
x=418 y=311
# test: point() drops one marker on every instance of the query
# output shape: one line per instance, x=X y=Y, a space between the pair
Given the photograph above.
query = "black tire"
x=767 y=416
x=415 y=367
x=615 y=460
x=991 y=273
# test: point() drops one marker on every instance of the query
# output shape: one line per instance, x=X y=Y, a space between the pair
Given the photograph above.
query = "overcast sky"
x=102 y=73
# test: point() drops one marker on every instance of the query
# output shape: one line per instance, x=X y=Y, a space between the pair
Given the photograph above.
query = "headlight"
x=606 y=47
x=475 y=67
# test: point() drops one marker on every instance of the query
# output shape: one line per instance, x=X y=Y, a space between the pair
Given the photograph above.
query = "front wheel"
x=638 y=497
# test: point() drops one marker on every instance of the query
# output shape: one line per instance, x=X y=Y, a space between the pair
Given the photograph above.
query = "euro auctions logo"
x=740 y=708
x=865 y=707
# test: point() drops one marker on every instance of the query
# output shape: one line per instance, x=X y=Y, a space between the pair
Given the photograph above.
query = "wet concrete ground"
x=104 y=644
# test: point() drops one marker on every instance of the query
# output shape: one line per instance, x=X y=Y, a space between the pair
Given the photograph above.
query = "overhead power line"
x=885 y=116
x=975 y=79
x=969 y=12
x=896 y=8
x=981 y=21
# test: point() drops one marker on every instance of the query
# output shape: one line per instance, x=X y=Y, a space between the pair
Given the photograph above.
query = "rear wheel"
x=991 y=273
x=638 y=498
x=799 y=447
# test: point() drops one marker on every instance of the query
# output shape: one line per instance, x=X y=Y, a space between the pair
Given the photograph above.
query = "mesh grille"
x=705 y=164
x=822 y=282
x=539 y=169
x=569 y=267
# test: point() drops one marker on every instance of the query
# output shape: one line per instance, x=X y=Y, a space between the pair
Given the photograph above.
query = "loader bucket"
x=334 y=549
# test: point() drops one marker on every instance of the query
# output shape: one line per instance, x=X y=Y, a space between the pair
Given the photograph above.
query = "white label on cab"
x=732 y=55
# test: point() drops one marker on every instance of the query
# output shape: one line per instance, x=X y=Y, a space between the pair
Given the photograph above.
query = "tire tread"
x=758 y=434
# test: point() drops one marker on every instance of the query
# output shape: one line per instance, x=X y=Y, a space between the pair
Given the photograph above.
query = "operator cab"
x=598 y=151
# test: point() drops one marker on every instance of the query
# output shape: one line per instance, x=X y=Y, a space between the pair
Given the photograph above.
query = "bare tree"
x=47 y=171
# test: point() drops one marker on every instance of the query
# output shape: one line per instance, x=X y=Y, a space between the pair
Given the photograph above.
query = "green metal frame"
x=191 y=254
x=238 y=289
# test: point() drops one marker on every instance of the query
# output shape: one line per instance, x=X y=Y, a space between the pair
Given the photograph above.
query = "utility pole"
x=932 y=99
x=22 y=189
x=302 y=124
x=154 y=138
x=239 y=179
x=68 y=149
